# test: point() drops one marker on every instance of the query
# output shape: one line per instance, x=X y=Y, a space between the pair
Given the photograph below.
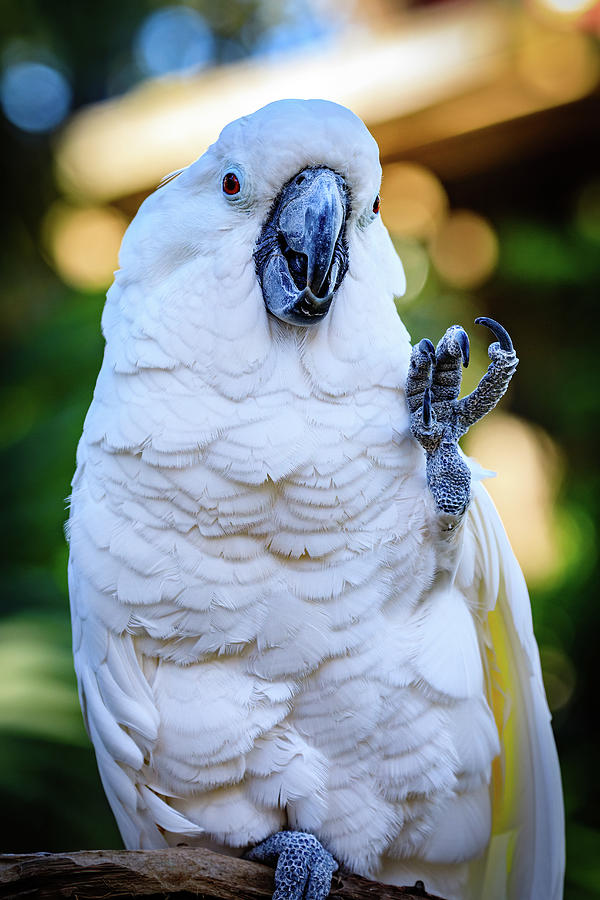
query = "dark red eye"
x=231 y=184
x=376 y=205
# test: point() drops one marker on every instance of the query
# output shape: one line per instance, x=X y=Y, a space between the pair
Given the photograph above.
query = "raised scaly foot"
x=438 y=419
x=303 y=867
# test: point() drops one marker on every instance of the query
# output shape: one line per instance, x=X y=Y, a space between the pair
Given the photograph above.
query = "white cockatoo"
x=298 y=624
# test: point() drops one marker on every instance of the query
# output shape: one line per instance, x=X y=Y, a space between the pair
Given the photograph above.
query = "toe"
x=319 y=880
x=426 y=347
x=452 y=353
x=493 y=385
x=266 y=852
x=427 y=410
x=462 y=339
x=419 y=374
x=291 y=875
x=454 y=345
x=498 y=331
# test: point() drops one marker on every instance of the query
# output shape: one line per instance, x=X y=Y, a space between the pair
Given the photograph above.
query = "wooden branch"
x=180 y=873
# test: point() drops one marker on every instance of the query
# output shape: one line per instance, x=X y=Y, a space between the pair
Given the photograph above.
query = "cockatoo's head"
x=293 y=190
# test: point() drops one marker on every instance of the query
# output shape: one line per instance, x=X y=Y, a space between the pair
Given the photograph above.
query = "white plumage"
x=269 y=628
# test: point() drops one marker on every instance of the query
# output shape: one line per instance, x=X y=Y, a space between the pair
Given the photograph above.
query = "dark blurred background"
x=487 y=115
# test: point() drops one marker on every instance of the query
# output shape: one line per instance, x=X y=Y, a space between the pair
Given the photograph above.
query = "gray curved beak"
x=301 y=254
x=310 y=222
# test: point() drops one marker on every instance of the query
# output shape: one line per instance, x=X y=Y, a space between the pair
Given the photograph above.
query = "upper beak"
x=310 y=223
x=301 y=254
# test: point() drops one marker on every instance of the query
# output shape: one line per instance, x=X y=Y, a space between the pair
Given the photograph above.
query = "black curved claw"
x=497 y=329
x=426 y=346
x=463 y=342
x=427 y=414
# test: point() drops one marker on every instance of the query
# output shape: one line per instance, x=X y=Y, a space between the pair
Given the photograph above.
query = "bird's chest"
x=307 y=475
x=329 y=537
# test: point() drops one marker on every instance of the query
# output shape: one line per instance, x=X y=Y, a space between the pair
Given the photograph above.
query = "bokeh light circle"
x=84 y=244
x=35 y=97
x=532 y=467
x=465 y=250
x=415 y=261
x=560 y=66
x=173 y=39
x=560 y=676
x=415 y=201
x=568 y=7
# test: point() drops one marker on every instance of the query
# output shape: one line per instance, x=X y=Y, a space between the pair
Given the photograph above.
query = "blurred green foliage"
x=48 y=780
x=546 y=291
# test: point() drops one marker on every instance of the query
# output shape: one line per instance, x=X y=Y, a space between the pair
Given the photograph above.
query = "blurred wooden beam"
x=127 y=144
x=486 y=145
x=461 y=89
x=477 y=150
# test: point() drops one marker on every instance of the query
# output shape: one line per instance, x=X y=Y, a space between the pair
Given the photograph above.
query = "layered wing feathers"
x=527 y=850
